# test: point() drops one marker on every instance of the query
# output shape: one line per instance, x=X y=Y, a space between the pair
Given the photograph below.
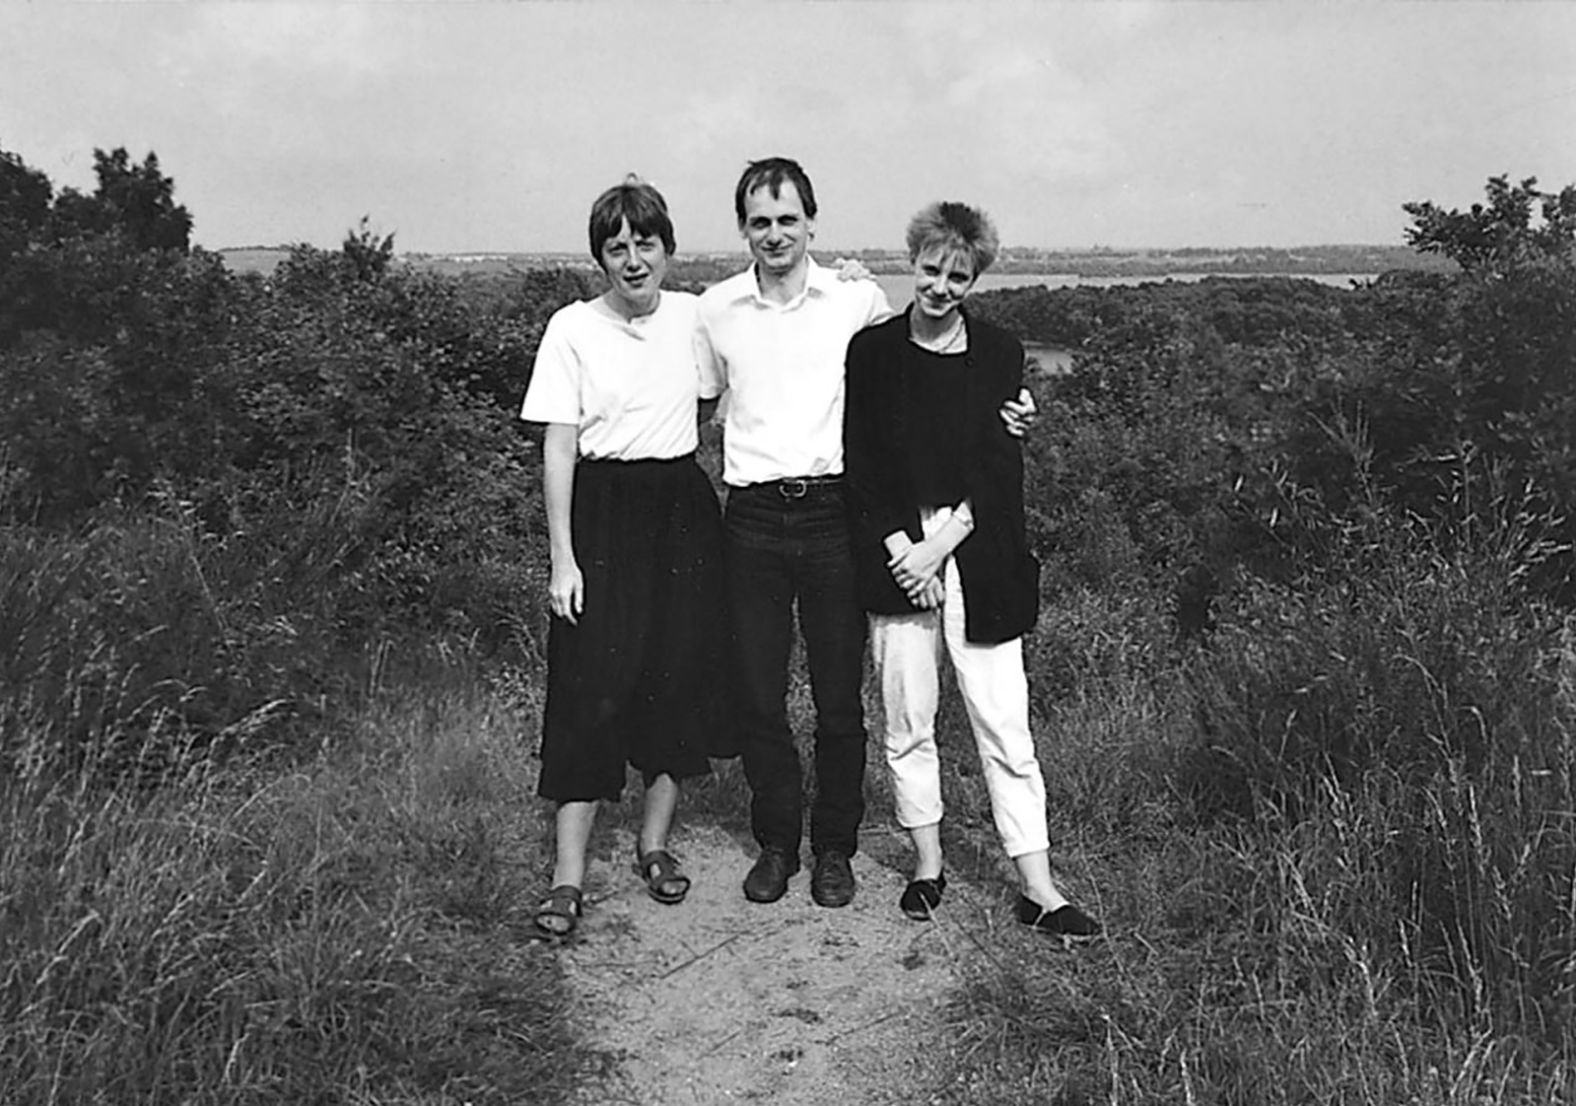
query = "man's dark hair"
x=771 y=172
x=636 y=201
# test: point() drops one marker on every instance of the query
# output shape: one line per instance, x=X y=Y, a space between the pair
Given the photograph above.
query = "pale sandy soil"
x=720 y=1000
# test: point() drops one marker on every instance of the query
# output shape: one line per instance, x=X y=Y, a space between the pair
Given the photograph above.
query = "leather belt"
x=797 y=487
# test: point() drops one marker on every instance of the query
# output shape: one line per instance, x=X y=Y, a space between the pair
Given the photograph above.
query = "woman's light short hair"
x=636 y=201
x=954 y=227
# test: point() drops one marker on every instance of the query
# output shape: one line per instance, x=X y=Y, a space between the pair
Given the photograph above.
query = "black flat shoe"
x=922 y=896
x=1066 y=922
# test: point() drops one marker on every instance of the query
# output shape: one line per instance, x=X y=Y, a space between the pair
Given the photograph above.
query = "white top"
x=629 y=386
x=781 y=369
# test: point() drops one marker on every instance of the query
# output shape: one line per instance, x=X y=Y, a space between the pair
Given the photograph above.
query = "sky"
x=491 y=126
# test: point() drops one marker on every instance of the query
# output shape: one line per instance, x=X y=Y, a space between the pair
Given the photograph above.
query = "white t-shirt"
x=781 y=369
x=630 y=386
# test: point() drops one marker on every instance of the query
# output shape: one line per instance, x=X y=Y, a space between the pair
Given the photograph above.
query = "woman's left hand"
x=1020 y=414
x=929 y=596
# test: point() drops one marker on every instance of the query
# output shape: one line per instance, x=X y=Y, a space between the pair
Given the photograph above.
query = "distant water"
x=899 y=287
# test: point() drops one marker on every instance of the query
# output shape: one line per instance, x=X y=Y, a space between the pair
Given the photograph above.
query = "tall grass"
x=1405 y=728
x=237 y=866
x=1335 y=851
x=354 y=930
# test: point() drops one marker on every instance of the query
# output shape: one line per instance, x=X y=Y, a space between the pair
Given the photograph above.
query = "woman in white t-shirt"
x=635 y=647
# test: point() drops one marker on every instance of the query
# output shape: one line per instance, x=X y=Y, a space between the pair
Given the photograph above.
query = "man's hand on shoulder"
x=851 y=268
x=1019 y=415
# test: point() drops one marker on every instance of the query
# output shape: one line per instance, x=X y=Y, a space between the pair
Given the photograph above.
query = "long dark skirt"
x=641 y=678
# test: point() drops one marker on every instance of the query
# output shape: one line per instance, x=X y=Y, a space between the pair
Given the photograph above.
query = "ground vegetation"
x=271 y=648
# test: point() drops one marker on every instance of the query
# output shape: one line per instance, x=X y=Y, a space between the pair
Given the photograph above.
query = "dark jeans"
x=788 y=543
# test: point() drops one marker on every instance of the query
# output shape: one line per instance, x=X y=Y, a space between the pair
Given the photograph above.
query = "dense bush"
x=1193 y=410
x=1359 y=503
x=221 y=492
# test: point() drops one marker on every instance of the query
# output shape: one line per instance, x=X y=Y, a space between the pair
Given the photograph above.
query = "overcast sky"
x=492 y=126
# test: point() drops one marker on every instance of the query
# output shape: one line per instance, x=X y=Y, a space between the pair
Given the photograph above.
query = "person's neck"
x=783 y=287
x=928 y=330
x=626 y=310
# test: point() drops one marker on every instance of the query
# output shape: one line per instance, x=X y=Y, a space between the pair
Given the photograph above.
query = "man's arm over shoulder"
x=878 y=308
x=1018 y=411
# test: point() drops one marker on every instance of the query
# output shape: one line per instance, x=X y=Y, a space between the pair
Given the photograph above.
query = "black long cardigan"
x=1000 y=576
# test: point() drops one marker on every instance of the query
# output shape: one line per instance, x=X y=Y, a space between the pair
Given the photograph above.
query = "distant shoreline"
x=1152 y=264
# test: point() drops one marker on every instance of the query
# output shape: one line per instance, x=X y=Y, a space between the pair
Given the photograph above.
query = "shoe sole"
x=764 y=898
x=1068 y=940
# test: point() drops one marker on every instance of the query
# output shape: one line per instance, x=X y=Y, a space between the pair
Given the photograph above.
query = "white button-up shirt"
x=780 y=369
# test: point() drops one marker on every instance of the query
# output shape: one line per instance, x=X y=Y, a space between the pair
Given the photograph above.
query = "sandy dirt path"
x=722 y=1000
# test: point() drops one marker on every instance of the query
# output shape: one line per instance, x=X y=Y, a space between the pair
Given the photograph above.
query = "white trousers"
x=907 y=650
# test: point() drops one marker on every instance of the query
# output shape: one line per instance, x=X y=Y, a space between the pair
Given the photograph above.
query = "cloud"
x=350 y=40
x=1008 y=100
x=711 y=121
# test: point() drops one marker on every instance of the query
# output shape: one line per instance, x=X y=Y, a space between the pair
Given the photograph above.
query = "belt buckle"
x=793 y=489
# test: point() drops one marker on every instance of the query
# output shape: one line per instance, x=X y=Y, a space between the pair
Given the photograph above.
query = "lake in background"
x=899 y=287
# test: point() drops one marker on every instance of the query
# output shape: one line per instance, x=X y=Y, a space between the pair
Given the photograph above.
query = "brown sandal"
x=664 y=881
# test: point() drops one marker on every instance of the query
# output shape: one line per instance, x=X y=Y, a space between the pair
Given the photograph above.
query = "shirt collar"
x=818 y=281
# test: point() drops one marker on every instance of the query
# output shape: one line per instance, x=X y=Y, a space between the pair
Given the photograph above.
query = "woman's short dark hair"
x=954 y=226
x=771 y=172
x=638 y=202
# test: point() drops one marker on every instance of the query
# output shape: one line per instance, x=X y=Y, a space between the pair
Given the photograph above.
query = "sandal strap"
x=564 y=901
x=666 y=865
x=564 y=906
x=659 y=870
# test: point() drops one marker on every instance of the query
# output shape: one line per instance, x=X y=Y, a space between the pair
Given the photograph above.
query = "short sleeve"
x=713 y=375
x=553 y=394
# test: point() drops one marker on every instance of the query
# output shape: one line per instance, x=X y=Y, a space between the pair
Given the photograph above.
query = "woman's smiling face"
x=943 y=277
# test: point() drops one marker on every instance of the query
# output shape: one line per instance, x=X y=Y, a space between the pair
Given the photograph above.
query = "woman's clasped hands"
x=916 y=566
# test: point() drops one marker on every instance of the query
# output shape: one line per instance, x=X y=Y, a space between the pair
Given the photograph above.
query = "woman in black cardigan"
x=935 y=491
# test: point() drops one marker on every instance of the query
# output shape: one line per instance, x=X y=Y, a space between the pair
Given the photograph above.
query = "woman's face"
x=635 y=264
x=942 y=278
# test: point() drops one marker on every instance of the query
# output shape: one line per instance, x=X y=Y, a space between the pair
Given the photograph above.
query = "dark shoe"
x=559 y=913
x=922 y=896
x=768 y=878
x=1067 y=922
x=832 y=882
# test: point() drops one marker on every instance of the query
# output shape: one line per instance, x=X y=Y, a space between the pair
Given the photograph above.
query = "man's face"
x=776 y=228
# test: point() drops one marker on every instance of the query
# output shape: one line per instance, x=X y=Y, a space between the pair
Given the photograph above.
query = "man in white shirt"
x=774 y=338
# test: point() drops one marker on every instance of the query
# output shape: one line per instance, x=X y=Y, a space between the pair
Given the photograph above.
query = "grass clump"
x=1403 y=728
x=351 y=931
x=1333 y=849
